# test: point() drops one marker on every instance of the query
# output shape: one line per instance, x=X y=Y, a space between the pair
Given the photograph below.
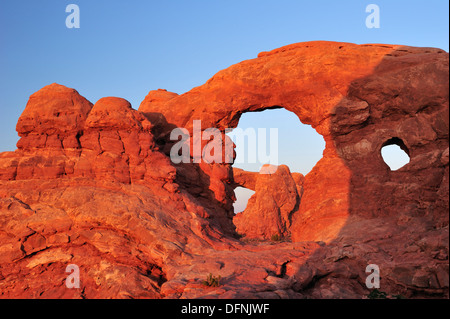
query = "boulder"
x=269 y=211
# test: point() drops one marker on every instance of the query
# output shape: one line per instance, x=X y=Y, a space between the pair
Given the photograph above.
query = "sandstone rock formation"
x=269 y=211
x=93 y=185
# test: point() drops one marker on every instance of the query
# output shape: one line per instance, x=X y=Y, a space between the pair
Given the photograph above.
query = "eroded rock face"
x=102 y=204
x=93 y=185
x=53 y=118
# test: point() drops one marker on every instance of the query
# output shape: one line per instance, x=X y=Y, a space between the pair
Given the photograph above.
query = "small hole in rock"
x=395 y=153
x=243 y=195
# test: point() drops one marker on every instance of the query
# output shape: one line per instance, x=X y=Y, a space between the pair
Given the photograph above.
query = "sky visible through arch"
x=299 y=147
x=127 y=48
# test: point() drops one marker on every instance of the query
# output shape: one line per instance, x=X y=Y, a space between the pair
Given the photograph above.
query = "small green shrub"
x=376 y=294
x=212 y=281
x=275 y=237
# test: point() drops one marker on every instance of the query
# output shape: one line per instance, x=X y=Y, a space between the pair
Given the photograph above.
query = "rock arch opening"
x=395 y=153
x=242 y=195
x=298 y=146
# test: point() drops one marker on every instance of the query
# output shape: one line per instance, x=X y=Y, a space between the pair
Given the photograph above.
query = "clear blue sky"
x=126 y=48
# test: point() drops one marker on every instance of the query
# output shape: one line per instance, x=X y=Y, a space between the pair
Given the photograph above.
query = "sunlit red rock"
x=268 y=212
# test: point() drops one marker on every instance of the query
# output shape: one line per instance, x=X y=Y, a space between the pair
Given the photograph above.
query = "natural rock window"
x=242 y=196
x=300 y=147
x=395 y=153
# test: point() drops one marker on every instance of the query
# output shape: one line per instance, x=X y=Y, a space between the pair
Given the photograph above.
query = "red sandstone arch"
x=356 y=97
